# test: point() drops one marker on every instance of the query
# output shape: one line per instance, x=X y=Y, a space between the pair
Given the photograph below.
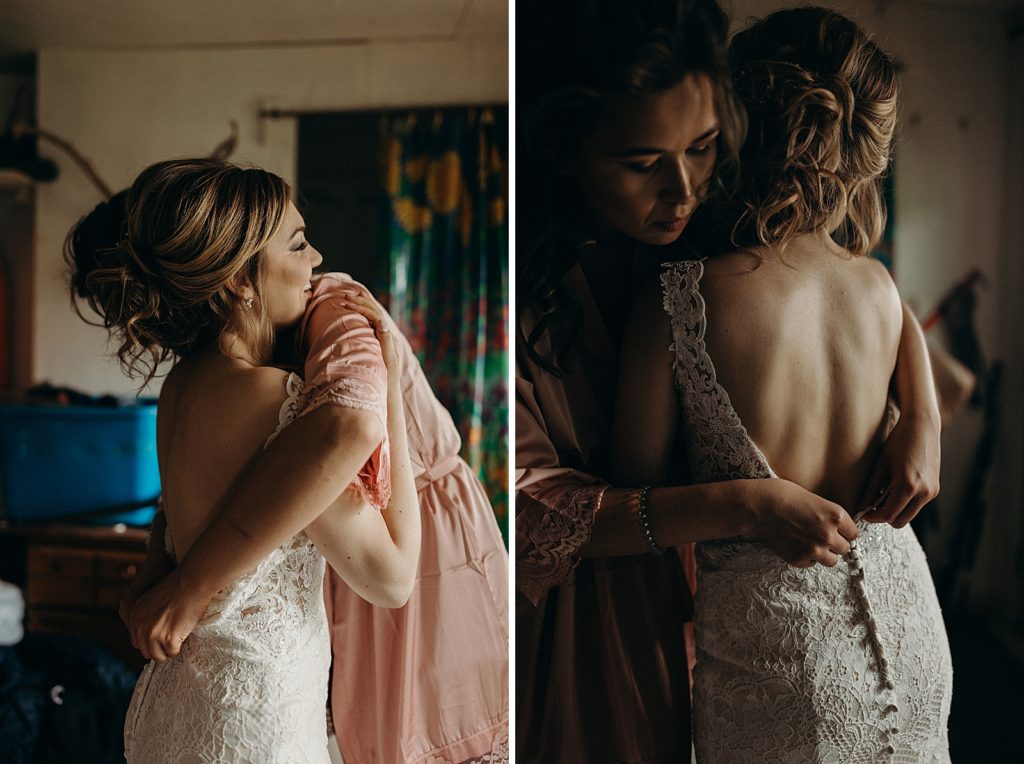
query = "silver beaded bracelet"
x=645 y=522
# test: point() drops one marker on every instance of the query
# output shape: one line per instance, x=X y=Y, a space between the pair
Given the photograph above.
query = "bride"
x=213 y=264
x=783 y=349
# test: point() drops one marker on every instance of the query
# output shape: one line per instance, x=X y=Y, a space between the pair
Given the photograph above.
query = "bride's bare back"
x=805 y=344
x=214 y=415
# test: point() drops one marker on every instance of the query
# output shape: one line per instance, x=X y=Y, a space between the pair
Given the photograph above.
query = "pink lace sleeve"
x=344 y=367
x=555 y=506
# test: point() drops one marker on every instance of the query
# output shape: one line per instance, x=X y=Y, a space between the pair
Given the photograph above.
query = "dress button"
x=895 y=730
x=889 y=750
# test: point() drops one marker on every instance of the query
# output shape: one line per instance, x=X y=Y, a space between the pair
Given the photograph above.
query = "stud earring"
x=248 y=302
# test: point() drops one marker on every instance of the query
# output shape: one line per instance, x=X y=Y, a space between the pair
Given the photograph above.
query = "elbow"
x=392 y=591
x=393 y=596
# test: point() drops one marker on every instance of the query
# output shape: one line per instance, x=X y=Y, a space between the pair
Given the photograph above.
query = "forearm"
x=677 y=515
x=402 y=514
x=915 y=387
x=283 y=489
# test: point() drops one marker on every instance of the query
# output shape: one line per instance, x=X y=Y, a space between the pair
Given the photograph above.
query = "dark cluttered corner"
x=79 y=485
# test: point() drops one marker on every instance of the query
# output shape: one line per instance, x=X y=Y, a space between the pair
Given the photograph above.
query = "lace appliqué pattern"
x=550 y=534
x=787 y=670
x=250 y=682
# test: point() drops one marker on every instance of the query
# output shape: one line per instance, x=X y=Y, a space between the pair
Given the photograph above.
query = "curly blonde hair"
x=821 y=100
x=158 y=273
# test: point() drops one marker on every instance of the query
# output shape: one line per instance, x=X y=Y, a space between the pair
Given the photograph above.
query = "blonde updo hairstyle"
x=192 y=230
x=821 y=100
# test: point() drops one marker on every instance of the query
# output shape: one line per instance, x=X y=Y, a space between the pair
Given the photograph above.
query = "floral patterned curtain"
x=446 y=237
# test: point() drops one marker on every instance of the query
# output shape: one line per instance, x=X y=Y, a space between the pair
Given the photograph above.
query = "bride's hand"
x=365 y=304
x=160 y=620
x=905 y=475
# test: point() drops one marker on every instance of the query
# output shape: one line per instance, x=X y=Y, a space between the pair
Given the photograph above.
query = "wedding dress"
x=846 y=664
x=250 y=683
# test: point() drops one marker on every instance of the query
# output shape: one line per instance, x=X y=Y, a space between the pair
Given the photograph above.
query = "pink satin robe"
x=601 y=667
x=427 y=682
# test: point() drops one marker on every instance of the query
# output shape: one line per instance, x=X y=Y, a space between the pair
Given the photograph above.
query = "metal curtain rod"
x=276 y=113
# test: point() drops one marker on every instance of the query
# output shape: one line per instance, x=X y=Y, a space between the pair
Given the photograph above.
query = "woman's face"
x=288 y=263
x=643 y=169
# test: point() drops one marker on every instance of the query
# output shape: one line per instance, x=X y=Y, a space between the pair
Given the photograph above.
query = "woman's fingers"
x=827 y=558
x=157 y=651
x=847 y=528
x=910 y=511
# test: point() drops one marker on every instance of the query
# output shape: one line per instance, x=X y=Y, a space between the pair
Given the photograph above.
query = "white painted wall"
x=958 y=205
x=126 y=109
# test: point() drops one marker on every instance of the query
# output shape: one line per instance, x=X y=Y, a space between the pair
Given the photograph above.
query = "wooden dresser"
x=73 y=577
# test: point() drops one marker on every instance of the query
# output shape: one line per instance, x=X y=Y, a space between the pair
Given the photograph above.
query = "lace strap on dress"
x=290 y=408
x=719 y=447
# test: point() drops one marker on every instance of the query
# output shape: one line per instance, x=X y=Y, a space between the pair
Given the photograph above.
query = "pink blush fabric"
x=427 y=682
x=344 y=367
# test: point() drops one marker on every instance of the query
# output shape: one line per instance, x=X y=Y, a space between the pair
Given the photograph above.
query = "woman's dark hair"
x=821 y=100
x=157 y=263
x=573 y=57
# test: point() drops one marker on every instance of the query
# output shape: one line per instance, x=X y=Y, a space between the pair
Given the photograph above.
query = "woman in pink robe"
x=427 y=682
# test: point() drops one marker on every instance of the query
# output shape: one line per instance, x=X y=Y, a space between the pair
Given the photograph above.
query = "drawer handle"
x=130 y=570
x=57 y=566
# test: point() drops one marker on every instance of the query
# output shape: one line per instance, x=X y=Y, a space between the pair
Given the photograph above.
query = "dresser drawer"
x=114 y=573
x=61 y=576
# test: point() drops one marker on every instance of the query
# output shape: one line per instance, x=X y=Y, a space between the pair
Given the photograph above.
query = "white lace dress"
x=250 y=684
x=846 y=664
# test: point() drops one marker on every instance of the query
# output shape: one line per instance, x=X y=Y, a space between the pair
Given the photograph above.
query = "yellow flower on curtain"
x=444 y=183
x=412 y=217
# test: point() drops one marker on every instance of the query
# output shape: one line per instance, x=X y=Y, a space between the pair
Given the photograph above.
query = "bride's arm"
x=284 y=488
x=280 y=492
x=905 y=475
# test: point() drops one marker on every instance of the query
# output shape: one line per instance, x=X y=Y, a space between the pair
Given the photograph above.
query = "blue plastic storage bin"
x=62 y=461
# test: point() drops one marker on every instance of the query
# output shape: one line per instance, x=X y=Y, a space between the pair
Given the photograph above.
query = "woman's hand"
x=161 y=619
x=905 y=475
x=799 y=526
x=365 y=304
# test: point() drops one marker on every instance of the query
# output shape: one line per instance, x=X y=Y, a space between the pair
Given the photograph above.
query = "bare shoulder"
x=741 y=278
x=878 y=286
x=236 y=397
x=734 y=275
x=254 y=388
